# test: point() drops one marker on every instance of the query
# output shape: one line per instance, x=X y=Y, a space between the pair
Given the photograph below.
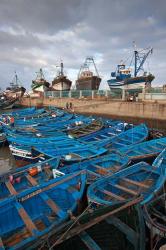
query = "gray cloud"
x=39 y=33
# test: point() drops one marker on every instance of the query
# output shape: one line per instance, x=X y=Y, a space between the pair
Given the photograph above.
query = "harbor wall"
x=154 y=111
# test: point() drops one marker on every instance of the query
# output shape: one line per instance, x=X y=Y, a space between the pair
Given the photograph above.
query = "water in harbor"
x=6 y=160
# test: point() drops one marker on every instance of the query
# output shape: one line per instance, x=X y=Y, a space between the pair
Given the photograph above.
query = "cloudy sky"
x=40 y=33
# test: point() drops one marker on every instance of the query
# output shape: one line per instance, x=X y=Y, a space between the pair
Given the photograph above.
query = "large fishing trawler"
x=40 y=84
x=12 y=94
x=61 y=82
x=15 y=89
x=122 y=78
x=87 y=79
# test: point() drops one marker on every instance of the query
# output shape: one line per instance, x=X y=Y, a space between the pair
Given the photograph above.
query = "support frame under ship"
x=40 y=85
x=61 y=82
x=122 y=78
x=88 y=80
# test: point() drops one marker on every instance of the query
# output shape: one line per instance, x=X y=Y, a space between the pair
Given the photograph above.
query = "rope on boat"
x=76 y=220
x=66 y=232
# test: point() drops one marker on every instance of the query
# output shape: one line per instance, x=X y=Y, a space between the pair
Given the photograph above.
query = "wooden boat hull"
x=138 y=180
x=61 y=84
x=147 y=150
x=154 y=214
x=29 y=216
x=97 y=167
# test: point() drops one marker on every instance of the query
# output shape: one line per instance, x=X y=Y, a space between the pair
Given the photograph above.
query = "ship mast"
x=15 y=81
x=140 y=58
x=40 y=74
x=87 y=63
x=61 y=71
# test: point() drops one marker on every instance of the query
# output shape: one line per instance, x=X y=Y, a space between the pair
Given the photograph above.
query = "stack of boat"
x=58 y=154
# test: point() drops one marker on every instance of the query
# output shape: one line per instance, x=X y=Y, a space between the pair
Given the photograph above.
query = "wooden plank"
x=154 y=147
x=137 y=183
x=118 y=197
x=26 y=219
x=32 y=180
x=11 y=188
x=88 y=241
x=162 y=144
x=50 y=202
x=52 y=205
x=100 y=169
x=127 y=190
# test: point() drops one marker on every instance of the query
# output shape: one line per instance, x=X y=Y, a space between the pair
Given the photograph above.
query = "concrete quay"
x=152 y=112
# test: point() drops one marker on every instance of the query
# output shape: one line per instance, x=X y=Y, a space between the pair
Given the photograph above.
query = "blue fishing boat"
x=132 y=136
x=95 y=125
x=122 y=78
x=30 y=215
x=97 y=167
x=139 y=180
x=25 y=154
x=21 y=179
x=70 y=154
x=144 y=151
x=22 y=112
x=105 y=133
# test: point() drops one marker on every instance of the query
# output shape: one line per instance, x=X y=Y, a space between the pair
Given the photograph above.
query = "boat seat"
x=10 y=188
x=26 y=219
x=96 y=138
x=118 y=197
x=127 y=190
x=93 y=173
x=154 y=147
x=140 y=184
x=50 y=203
x=104 y=136
x=162 y=144
x=104 y=170
x=32 y=180
x=119 y=143
x=147 y=151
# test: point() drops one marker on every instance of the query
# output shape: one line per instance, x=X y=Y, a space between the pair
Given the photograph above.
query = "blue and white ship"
x=122 y=78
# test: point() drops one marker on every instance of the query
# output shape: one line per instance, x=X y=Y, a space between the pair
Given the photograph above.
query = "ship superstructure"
x=123 y=78
x=88 y=79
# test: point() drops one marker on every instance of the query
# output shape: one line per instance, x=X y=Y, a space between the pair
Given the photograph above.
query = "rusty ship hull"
x=88 y=83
